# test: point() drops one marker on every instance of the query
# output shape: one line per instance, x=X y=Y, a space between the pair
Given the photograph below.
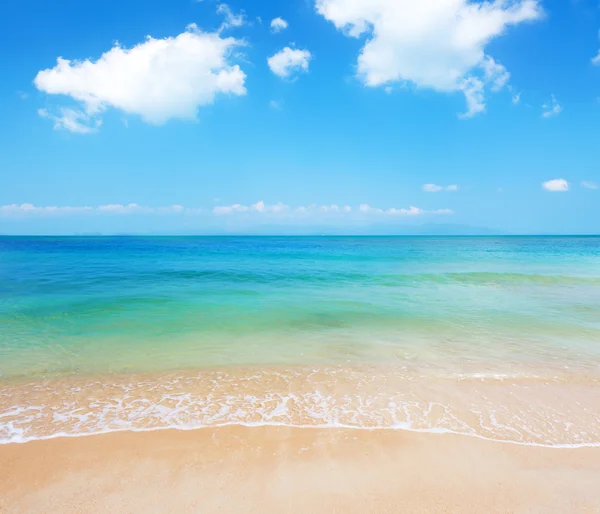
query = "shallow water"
x=493 y=337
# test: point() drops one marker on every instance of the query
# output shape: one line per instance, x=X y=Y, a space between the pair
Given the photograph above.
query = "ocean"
x=492 y=337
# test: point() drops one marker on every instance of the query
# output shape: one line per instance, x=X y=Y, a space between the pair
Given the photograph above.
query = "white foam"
x=370 y=404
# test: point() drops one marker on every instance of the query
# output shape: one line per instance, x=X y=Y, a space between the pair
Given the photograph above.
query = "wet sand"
x=280 y=469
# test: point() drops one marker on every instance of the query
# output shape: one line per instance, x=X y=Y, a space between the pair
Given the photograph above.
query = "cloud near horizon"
x=434 y=188
x=258 y=208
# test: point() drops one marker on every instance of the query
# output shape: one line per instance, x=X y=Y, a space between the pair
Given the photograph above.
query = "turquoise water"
x=108 y=308
x=94 y=305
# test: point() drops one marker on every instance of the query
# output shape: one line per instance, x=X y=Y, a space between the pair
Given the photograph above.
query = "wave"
x=536 y=411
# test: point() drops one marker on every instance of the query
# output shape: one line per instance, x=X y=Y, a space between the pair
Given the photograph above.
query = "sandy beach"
x=279 y=469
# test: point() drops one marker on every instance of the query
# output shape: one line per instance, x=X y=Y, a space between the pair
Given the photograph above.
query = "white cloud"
x=516 y=98
x=278 y=24
x=132 y=208
x=411 y=211
x=123 y=209
x=433 y=44
x=231 y=19
x=278 y=210
x=72 y=120
x=596 y=60
x=157 y=79
x=229 y=209
x=551 y=109
x=258 y=207
x=473 y=89
x=434 y=188
x=557 y=185
x=494 y=73
x=276 y=104
x=28 y=208
x=288 y=61
x=589 y=185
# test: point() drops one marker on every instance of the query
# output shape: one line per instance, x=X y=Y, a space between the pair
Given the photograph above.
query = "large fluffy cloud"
x=157 y=79
x=436 y=44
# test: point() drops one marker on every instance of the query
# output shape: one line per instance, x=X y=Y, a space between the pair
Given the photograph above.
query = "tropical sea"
x=490 y=337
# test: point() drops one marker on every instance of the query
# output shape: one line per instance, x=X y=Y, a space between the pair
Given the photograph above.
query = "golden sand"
x=279 y=469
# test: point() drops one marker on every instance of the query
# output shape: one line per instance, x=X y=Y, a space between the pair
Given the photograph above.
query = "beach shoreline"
x=286 y=469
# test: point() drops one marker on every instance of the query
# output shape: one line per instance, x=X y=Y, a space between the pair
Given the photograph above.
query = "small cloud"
x=258 y=207
x=388 y=90
x=288 y=61
x=494 y=73
x=596 y=60
x=278 y=24
x=231 y=19
x=557 y=185
x=434 y=188
x=72 y=120
x=276 y=105
x=589 y=185
x=516 y=98
x=473 y=89
x=411 y=211
x=551 y=109
x=117 y=208
x=22 y=95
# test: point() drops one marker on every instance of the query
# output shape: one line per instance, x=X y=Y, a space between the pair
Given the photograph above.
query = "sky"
x=304 y=116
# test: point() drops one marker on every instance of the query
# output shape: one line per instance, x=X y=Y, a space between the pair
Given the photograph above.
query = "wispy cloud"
x=28 y=208
x=551 y=109
x=72 y=120
x=596 y=59
x=589 y=185
x=557 y=185
x=333 y=209
x=232 y=20
x=434 y=188
x=259 y=208
x=131 y=208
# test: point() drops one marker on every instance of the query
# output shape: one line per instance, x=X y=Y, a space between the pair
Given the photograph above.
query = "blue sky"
x=350 y=116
